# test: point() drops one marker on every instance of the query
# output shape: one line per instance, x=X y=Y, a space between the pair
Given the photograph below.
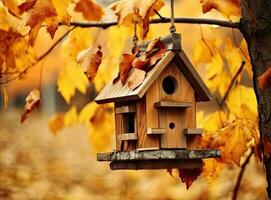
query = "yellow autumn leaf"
x=71 y=116
x=233 y=140
x=99 y=120
x=61 y=9
x=71 y=78
x=78 y=40
x=128 y=11
x=242 y=102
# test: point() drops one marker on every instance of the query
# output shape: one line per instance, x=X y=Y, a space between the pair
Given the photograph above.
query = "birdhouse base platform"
x=157 y=159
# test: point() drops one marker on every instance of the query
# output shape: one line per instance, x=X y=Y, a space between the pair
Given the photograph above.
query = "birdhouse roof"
x=115 y=92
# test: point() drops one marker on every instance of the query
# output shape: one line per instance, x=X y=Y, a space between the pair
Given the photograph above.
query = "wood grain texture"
x=127 y=136
x=118 y=92
x=185 y=65
x=172 y=104
x=125 y=109
x=193 y=131
x=144 y=140
x=156 y=164
x=155 y=131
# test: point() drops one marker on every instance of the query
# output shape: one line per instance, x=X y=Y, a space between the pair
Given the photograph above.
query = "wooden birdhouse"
x=155 y=123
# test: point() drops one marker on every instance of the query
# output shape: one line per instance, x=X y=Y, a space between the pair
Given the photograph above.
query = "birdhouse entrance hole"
x=171 y=125
x=169 y=85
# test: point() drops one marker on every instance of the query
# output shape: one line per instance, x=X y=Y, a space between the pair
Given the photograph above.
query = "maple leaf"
x=15 y=53
x=128 y=12
x=38 y=12
x=233 y=140
x=71 y=77
x=188 y=176
x=265 y=79
x=90 y=60
x=154 y=52
x=61 y=8
x=7 y=55
x=90 y=10
x=135 y=78
x=226 y=7
x=125 y=66
x=32 y=102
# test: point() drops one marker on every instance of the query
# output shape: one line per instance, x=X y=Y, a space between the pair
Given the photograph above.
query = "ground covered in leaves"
x=38 y=165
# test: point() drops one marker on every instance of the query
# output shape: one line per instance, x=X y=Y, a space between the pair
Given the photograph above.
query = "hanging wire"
x=135 y=38
x=172 y=28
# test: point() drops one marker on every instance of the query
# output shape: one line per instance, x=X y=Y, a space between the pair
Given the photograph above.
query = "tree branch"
x=231 y=84
x=240 y=176
x=184 y=20
x=40 y=58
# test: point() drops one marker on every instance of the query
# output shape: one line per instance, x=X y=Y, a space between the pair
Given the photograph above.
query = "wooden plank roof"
x=119 y=92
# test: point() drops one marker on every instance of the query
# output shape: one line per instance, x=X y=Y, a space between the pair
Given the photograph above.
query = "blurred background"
x=36 y=164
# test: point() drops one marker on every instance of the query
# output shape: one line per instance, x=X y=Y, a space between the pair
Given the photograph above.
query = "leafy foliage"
x=231 y=126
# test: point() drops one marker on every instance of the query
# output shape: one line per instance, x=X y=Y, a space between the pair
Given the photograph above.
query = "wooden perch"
x=174 y=154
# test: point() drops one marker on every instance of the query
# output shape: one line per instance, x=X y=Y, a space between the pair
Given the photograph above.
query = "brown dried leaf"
x=90 y=60
x=8 y=40
x=140 y=62
x=90 y=10
x=125 y=66
x=28 y=4
x=135 y=78
x=136 y=10
x=32 y=102
x=265 y=79
x=188 y=176
x=38 y=13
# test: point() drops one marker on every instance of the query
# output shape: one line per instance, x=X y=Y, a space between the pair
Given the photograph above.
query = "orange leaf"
x=226 y=7
x=90 y=10
x=32 y=102
x=90 y=60
x=265 y=79
x=135 y=78
x=37 y=13
x=12 y=7
x=136 y=10
x=125 y=66
x=99 y=114
x=24 y=7
x=56 y=123
x=140 y=62
x=7 y=54
x=188 y=176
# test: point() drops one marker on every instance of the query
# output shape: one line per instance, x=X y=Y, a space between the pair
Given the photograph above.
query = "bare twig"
x=185 y=20
x=231 y=84
x=159 y=15
x=237 y=45
x=40 y=58
x=240 y=176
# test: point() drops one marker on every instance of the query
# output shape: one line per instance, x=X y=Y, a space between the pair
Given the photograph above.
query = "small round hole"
x=169 y=84
x=171 y=125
